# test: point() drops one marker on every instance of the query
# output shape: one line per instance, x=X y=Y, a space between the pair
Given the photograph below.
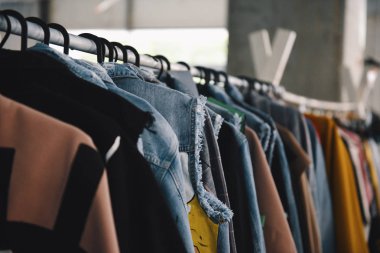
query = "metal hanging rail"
x=86 y=45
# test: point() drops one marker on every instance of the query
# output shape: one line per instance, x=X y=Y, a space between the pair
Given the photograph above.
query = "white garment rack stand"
x=269 y=64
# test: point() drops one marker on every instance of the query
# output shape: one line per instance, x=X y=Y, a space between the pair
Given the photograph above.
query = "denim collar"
x=186 y=116
x=78 y=70
x=97 y=69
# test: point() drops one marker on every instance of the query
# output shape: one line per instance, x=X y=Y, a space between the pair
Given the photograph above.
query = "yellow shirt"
x=203 y=231
x=349 y=230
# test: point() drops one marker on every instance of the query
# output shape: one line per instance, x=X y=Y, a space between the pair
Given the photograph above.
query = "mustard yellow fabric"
x=203 y=231
x=349 y=229
x=373 y=172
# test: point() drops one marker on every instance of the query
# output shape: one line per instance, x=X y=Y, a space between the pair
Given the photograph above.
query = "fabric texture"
x=347 y=217
x=46 y=161
x=277 y=234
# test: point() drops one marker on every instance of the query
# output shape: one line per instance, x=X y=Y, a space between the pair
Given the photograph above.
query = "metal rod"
x=85 y=45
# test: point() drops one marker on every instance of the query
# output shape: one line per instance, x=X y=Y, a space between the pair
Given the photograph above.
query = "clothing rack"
x=34 y=31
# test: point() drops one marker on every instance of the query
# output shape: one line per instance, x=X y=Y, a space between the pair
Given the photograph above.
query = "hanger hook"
x=65 y=34
x=184 y=64
x=98 y=43
x=116 y=54
x=44 y=27
x=23 y=24
x=163 y=58
x=8 y=31
x=134 y=51
x=204 y=75
x=110 y=49
x=123 y=50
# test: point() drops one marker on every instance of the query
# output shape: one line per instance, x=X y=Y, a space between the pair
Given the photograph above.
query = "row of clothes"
x=109 y=158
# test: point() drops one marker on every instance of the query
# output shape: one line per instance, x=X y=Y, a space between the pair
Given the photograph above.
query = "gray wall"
x=315 y=62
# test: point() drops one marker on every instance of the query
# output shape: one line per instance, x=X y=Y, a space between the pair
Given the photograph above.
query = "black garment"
x=374 y=236
x=230 y=150
x=140 y=212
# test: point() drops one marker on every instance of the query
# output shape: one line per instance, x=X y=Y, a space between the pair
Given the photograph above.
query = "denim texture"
x=159 y=143
x=279 y=166
x=322 y=195
x=160 y=149
x=262 y=129
x=187 y=121
x=183 y=81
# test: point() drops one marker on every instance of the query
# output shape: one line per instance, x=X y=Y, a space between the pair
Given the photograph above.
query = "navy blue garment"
x=238 y=171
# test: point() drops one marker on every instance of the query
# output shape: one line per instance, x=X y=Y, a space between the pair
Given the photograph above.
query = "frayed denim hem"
x=218 y=125
x=214 y=208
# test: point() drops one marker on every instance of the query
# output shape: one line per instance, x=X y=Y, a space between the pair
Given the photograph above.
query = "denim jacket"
x=187 y=121
x=158 y=143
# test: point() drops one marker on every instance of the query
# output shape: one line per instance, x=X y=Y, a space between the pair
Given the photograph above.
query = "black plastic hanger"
x=110 y=49
x=23 y=24
x=7 y=32
x=98 y=43
x=137 y=56
x=116 y=54
x=65 y=34
x=44 y=27
x=163 y=58
x=123 y=50
x=184 y=64
x=160 y=62
x=204 y=75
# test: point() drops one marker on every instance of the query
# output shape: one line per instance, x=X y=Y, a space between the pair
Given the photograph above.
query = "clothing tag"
x=140 y=146
x=262 y=220
x=113 y=148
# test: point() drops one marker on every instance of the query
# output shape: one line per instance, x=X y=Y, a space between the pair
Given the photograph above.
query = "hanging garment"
x=363 y=184
x=347 y=217
x=238 y=171
x=127 y=198
x=299 y=163
x=54 y=190
x=277 y=234
x=275 y=154
x=187 y=122
x=322 y=195
x=183 y=82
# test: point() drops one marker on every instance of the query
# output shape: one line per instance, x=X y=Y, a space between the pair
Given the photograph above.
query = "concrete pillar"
x=373 y=47
x=315 y=65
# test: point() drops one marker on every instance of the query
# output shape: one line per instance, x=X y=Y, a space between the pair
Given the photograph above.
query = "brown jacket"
x=53 y=187
x=298 y=163
x=277 y=234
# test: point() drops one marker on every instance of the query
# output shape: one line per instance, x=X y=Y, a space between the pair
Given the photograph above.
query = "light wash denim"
x=186 y=116
x=183 y=81
x=160 y=149
x=159 y=143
